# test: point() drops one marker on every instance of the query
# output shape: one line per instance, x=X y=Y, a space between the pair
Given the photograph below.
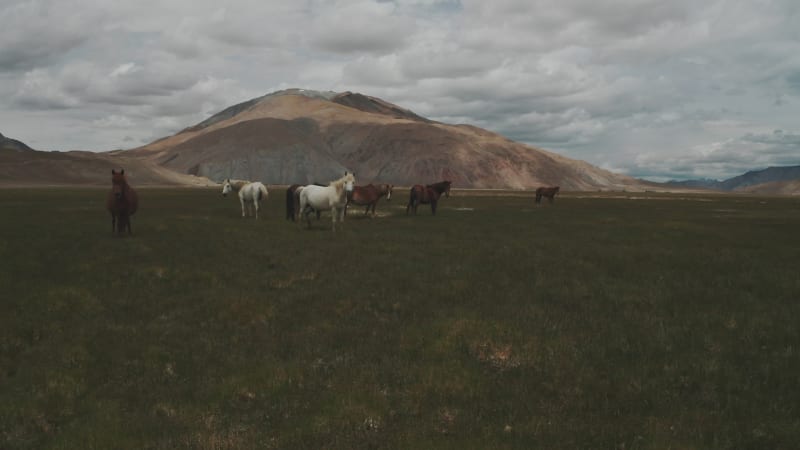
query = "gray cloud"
x=649 y=88
x=356 y=27
x=35 y=33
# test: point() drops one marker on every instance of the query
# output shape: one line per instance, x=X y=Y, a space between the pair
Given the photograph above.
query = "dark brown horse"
x=122 y=202
x=368 y=196
x=549 y=192
x=427 y=194
x=293 y=202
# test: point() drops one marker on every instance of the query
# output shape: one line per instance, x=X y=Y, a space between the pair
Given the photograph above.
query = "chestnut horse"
x=549 y=192
x=122 y=202
x=427 y=194
x=368 y=196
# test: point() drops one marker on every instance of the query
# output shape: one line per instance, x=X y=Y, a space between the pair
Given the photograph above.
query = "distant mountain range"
x=303 y=136
x=769 y=179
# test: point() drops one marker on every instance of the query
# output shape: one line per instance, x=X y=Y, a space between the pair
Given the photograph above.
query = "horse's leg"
x=334 y=213
x=113 y=223
x=128 y=223
x=296 y=207
x=433 y=207
x=255 y=204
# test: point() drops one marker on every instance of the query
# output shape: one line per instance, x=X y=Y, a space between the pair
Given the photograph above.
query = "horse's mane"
x=238 y=184
x=440 y=186
x=548 y=189
x=339 y=184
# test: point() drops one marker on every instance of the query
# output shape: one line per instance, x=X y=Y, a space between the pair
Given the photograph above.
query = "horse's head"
x=446 y=188
x=387 y=189
x=226 y=187
x=118 y=183
x=349 y=181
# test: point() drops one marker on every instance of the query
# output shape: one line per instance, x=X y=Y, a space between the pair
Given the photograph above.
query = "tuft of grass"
x=599 y=321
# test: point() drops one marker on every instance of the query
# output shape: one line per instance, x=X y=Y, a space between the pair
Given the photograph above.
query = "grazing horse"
x=549 y=192
x=427 y=194
x=332 y=197
x=122 y=202
x=250 y=194
x=368 y=196
x=293 y=201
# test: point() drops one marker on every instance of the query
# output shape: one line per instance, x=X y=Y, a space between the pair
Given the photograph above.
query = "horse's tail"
x=297 y=193
x=413 y=200
x=300 y=199
x=262 y=192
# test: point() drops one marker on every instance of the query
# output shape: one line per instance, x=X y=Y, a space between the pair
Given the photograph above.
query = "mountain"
x=37 y=168
x=750 y=179
x=791 y=187
x=702 y=183
x=302 y=136
x=13 y=144
x=755 y=177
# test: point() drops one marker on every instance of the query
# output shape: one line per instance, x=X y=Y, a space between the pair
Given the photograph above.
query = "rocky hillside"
x=756 y=177
x=13 y=145
x=35 y=168
x=300 y=136
x=791 y=187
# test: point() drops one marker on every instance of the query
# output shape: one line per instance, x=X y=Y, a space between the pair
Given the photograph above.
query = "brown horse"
x=427 y=194
x=293 y=201
x=368 y=196
x=122 y=202
x=549 y=192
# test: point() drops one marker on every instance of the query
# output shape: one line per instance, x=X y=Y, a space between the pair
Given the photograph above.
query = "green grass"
x=652 y=323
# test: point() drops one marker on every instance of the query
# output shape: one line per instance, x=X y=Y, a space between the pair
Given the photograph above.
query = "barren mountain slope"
x=299 y=136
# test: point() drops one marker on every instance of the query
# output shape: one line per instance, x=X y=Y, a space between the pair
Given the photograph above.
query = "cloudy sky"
x=651 y=88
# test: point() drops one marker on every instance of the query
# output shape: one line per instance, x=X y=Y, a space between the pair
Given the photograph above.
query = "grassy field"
x=620 y=322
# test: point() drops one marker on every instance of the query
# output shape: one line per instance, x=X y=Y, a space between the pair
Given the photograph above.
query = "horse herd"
x=122 y=201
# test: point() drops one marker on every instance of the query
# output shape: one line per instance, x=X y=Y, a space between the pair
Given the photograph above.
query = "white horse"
x=249 y=193
x=322 y=198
